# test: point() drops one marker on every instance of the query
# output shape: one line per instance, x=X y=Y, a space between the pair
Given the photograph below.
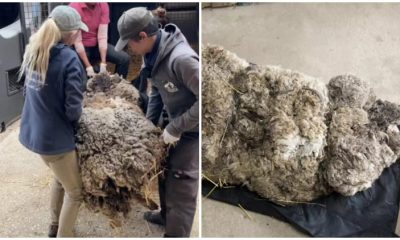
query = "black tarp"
x=370 y=213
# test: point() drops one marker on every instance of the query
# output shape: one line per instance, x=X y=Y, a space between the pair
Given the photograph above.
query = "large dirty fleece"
x=119 y=150
x=288 y=136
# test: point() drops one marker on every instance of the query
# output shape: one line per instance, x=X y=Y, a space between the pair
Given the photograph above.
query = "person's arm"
x=80 y=49
x=73 y=90
x=102 y=35
x=187 y=69
x=155 y=106
x=102 y=39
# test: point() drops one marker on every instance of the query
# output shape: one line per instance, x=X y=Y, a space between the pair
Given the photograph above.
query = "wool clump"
x=119 y=150
x=288 y=136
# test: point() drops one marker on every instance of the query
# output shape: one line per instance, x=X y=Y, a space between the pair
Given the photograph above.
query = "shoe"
x=154 y=217
x=53 y=229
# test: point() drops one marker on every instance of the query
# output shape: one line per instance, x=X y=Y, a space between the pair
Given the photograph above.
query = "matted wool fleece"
x=119 y=149
x=288 y=136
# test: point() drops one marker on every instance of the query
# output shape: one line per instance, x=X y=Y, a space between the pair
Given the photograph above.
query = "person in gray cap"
x=53 y=105
x=173 y=70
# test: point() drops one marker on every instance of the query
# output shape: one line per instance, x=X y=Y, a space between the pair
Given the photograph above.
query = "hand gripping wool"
x=283 y=134
x=119 y=150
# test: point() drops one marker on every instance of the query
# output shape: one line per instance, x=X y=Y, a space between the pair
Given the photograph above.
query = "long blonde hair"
x=37 y=52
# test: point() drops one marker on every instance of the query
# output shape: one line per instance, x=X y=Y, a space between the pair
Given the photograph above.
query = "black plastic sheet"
x=370 y=213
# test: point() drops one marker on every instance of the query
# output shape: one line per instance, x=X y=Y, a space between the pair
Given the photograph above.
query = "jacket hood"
x=171 y=36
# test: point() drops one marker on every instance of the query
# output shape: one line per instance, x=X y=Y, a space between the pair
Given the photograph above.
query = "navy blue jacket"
x=52 y=110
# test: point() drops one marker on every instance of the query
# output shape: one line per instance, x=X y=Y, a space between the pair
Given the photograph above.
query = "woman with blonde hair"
x=53 y=105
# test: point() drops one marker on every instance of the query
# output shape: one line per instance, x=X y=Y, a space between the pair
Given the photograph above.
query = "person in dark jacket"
x=53 y=105
x=174 y=75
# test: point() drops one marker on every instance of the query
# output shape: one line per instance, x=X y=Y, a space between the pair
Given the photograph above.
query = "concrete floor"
x=320 y=39
x=224 y=220
x=24 y=197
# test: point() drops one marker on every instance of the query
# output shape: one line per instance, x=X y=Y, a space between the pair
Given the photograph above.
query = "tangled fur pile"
x=119 y=149
x=287 y=135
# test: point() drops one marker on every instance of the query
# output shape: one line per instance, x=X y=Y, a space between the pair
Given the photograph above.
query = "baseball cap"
x=67 y=19
x=132 y=22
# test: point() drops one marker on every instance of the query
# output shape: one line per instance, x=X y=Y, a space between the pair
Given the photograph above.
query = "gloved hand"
x=90 y=72
x=103 y=67
x=168 y=138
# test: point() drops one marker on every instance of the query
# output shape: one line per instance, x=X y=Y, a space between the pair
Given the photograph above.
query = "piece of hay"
x=282 y=133
x=119 y=149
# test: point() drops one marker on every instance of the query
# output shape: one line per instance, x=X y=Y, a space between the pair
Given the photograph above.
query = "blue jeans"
x=120 y=59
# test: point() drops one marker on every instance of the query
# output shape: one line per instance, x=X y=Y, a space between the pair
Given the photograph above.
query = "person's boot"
x=53 y=229
x=154 y=217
